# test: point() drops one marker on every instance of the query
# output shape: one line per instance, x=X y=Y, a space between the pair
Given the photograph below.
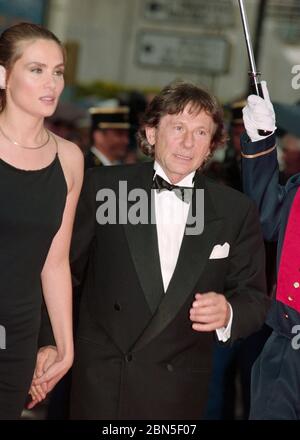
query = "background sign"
x=175 y=51
x=199 y=12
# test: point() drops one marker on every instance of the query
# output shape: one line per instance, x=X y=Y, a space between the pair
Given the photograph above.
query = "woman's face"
x=36 y=80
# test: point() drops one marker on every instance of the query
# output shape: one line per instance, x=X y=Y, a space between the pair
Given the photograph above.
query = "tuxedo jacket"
x=261 y=183
x=91 y=160
x=136 y=354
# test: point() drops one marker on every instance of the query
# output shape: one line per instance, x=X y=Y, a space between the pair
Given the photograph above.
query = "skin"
x=33 y=86
x=112 y=143
x=182 y=142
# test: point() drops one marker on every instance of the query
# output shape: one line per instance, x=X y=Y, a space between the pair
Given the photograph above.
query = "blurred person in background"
x=136 y=102
x=288 y=132
x=225 y=165
x=109 y=136
x=232 y=162
x=290 y=156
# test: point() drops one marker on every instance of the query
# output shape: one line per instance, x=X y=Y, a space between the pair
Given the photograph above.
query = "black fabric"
x=275 y=377
x=183 y=192
x=137 y=360
x=32 y=204
x=276 y=381
x=91 y=160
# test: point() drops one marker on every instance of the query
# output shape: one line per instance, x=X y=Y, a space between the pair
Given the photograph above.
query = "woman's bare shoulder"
x=69 y=150
x=71 y=158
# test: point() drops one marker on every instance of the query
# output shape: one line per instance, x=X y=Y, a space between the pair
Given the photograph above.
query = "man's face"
x=182 y=142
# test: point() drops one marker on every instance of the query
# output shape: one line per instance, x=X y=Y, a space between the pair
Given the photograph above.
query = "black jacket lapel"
x=194 y=253
x=143 y=244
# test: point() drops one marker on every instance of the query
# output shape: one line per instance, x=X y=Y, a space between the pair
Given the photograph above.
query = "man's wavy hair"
x=172 y=100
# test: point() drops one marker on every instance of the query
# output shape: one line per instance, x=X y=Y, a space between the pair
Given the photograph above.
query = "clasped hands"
x=209 y=312
x=50 y=368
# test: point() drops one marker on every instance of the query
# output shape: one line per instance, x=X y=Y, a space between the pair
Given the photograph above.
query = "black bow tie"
x=184 y=193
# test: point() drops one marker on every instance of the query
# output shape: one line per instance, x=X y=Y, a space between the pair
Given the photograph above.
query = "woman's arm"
x=56 y=276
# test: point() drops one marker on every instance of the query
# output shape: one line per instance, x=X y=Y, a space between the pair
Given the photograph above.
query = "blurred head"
x=291 y=154
x=182 y=127
x=110 y=131
x=30 y=58
x=112 y=142
x=236 y=125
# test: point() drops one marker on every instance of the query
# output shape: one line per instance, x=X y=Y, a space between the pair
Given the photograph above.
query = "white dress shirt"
x=171 y=215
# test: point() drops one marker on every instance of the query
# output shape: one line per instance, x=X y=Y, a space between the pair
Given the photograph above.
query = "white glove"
x=259 y=114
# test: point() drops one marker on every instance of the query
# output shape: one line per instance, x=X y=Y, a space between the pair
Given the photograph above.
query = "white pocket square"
x=220 y=251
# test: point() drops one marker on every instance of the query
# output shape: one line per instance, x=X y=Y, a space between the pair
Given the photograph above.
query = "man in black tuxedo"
x=168 y=261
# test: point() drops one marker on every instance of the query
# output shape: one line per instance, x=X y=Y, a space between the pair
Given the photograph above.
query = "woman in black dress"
x=40 y=181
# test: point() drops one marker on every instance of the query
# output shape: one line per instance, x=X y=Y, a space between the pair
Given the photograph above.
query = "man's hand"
x=259 y=114
x=50 y=368
x=210 y=311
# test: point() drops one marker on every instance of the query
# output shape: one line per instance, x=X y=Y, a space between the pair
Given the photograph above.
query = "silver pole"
x=254 y=74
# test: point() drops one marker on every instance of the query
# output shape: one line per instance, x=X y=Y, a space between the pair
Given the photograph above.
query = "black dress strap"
x=55 y=141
